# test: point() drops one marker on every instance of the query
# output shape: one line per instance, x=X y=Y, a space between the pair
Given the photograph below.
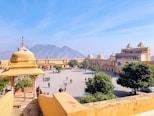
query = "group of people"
x=65 y=85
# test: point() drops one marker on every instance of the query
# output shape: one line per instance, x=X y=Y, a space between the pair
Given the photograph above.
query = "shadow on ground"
x=32 y=109
x=119 y=93
x=88 y=73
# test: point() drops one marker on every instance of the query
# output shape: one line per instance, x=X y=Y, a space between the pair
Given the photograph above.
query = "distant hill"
x=5 y=55
x=52 y=51
x=152 y=58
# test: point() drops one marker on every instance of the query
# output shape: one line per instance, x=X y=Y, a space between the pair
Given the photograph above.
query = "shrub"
x=87 y=99
x=24 y=83
x=98 y=96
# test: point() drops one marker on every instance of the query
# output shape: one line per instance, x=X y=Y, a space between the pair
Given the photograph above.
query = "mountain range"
x=50 y=51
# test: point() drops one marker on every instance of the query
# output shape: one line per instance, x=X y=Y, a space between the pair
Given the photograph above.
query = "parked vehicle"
x=148 y=89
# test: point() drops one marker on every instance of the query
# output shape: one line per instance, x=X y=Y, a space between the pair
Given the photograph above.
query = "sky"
x=88 y=26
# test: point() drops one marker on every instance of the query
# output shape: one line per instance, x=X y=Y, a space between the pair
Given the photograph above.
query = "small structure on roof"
x=22 y=63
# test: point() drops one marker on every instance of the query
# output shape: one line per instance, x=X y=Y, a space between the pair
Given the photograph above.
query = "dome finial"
x=22 y=41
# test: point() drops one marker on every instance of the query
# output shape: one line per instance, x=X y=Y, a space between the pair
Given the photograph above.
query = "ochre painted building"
x=114 y=63
x=130 y=54
x=62 y=104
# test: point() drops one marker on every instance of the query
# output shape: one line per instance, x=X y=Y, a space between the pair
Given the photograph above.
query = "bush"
x=98 y=96
x=24 y=83
x=58 y=68
x=87 y=99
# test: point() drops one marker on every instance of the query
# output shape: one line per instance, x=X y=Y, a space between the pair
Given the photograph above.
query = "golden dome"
x=100 y=57
x=140 y=45
x=112 y=56
x=129 y=46
x=22 y=55
x=90 y=56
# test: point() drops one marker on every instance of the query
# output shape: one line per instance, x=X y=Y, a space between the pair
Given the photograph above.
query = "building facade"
x=114 y=63
x=130 y=54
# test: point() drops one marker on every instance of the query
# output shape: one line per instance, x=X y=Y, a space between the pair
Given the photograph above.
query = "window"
x=119 y=63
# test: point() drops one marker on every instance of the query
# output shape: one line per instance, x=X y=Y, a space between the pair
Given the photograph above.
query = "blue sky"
x=88 y=26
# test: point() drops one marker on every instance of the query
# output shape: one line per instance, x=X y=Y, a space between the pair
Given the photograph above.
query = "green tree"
x=73 y=63
x=58 y=68
x=3 y=83
x=94 y=68
x=136 y=75
x=26 y=82
x=85 y=64
x=100 y=83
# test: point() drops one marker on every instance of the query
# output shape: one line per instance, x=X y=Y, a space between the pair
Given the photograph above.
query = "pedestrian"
x=70 y=80
x=65 y=89
x=65 y=84
x=66 y=78
x=85 y=79
x=49 y=84
x=60 y=90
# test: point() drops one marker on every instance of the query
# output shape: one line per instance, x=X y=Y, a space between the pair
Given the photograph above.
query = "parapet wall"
x=6 y=104
x=65 y=105
x=127 y=106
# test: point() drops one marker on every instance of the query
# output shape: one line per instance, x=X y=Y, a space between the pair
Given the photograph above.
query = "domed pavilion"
x=22 y=63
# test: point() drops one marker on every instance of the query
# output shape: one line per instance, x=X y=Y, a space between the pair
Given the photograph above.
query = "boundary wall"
x=6 y=104
x=62 y=104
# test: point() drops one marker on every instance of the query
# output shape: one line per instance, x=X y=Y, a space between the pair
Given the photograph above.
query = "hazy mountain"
x=5 y=55
x=152 y=58
x=52 y=51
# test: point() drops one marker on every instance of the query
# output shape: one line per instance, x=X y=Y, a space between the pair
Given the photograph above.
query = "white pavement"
x=77 y=87
x=58 y=80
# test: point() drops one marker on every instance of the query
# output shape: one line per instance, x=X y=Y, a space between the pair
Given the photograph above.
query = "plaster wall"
x=127 y=106
x=6 y=104
x=50 y=106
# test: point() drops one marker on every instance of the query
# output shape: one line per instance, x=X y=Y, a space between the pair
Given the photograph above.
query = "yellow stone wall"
x=49 y=105
x=62 y=62
x=61 y=104
x=65 y=105
x=6 y=104
x=104 y=64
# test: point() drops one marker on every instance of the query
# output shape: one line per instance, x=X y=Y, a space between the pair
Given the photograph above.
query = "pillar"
x=34 y=86
x=12 y=83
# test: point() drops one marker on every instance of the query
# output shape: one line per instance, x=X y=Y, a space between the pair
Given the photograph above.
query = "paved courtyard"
x=50 y=83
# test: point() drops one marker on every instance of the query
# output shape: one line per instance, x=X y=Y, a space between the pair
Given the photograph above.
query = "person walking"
x=70 y=80
x=64 y=89
x=49 y=84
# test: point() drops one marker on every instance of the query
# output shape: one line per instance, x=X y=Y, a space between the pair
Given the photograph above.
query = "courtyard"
x=73 y=82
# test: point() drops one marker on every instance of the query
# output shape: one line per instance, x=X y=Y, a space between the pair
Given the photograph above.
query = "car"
x=148 y=89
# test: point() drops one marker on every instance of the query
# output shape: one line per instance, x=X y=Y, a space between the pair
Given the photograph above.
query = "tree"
x=100 y=87
x=73 y=63
x=85 y=64
x=136 y=75
x=94 y=68
x=58 y=68
x=100 y=83
x=3 y=83
x=26 y=82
